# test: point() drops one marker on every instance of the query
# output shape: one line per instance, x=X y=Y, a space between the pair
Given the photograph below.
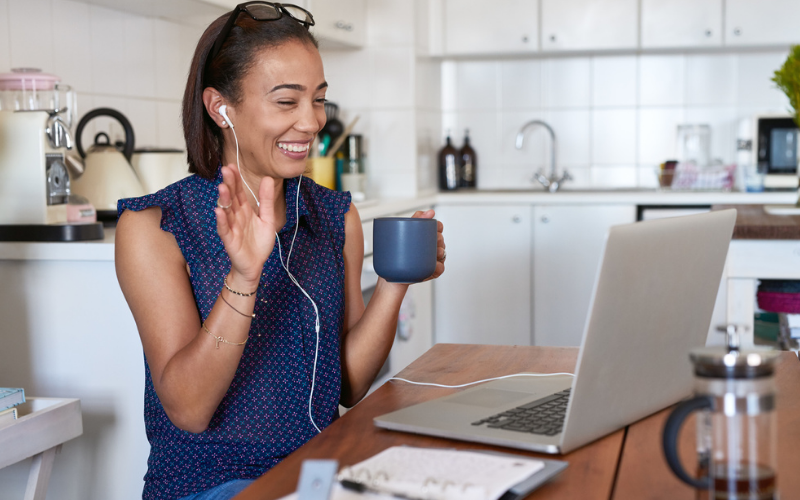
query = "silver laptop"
x=652 y=303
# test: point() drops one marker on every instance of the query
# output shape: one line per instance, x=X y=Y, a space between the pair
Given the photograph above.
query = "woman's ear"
x=213 y=100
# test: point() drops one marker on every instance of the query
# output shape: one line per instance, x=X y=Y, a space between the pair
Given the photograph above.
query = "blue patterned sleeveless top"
x=264 y=415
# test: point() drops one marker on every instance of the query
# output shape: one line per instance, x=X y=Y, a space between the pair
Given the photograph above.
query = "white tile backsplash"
x=661 y=80
x=614 y=81
x=139 y=56
x=724 y=125
x=614 y=177
x=348 y=77
x=141 y=113
x=30 y=34
x=168 y=125
x=390 y=134
x=657 y=134
x=521 y=86
x=755 y=88
x=566 y=82
x=476 y=85
x=573 y=130
x=169 y=66
x=109 y=68
x=614 y=136
x=73 y=51
x=711 y=79
x=392 y=77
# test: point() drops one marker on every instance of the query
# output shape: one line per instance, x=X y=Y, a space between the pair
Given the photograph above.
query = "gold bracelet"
x=225 y=282
x=253 y=316
x=222 y=339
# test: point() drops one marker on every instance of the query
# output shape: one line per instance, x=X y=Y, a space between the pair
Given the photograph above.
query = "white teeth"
x=295 y=148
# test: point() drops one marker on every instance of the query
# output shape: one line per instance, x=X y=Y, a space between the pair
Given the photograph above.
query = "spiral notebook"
x=443 y=474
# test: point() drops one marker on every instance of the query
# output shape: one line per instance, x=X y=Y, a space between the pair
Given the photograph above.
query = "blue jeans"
x=224 y=491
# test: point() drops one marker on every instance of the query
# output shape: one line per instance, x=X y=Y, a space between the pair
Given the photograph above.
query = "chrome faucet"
x=553 y=182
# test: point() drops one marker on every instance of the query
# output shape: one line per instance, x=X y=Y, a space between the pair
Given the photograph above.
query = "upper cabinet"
x=339 y=23
x=762 y=22
x=589 y=24
x=480 y=27
x=682 y=23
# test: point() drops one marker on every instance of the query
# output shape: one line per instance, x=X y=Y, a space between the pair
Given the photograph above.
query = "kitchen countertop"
x=753 y=223
x=103 y=250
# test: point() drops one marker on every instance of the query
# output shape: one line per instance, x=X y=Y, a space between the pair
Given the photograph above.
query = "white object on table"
x=43 y=426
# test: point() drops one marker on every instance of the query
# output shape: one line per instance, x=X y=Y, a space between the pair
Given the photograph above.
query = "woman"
x=244 y=279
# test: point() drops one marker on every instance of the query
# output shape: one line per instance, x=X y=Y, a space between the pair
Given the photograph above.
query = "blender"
x=36 y=113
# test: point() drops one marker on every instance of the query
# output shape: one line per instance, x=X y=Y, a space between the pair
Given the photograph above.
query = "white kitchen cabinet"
x=484 y=295
x=589 y=24
x=414 y=327
x=339 y=23
x=681 y=23
x=498 y=27
x=568 y=242
x=762 y=22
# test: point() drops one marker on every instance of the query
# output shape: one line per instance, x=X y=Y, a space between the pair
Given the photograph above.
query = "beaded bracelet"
x=225 y=282
x=253 y=316
x=222 y=339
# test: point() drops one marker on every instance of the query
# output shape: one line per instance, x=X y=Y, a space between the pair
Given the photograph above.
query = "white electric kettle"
x=107 y=173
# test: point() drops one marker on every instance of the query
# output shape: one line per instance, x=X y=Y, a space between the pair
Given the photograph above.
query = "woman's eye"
x=285 y=103
x=322 y=100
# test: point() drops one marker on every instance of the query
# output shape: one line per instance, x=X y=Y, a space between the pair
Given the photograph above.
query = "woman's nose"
x=309 y=120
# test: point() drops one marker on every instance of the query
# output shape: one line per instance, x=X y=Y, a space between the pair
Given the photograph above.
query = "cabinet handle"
x=708 y=32
x=344 y=26
x=545 y=219
x=524 y=39
x=516 y=219
x=737 y=31
x=552 y=38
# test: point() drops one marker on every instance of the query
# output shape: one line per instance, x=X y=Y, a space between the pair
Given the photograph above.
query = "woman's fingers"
x=426 y=214
x=266 y=197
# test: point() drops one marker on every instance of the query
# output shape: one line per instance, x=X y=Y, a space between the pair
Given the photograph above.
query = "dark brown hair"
x=248 y=37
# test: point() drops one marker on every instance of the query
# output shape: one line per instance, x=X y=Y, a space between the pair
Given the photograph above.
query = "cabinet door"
x=484 y=295
x=589 y=24
x=339 y=23
x=681 y=23
x=762 y=22
x=500 y=26
x=568 y=242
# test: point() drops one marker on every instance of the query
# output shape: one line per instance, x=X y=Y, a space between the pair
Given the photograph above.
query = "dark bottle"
x=468 y=163
x=449 y=171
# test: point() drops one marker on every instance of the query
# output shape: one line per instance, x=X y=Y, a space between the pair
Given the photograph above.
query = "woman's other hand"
x=441 y=253
x=249 y=237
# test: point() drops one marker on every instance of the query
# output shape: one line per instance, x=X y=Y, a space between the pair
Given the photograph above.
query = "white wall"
x=615 y=117
x=137 y=65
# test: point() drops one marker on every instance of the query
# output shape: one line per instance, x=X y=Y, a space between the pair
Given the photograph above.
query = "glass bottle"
x=468 y=163
x=448 y=167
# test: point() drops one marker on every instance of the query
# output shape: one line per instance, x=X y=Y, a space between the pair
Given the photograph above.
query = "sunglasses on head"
x=260 y=11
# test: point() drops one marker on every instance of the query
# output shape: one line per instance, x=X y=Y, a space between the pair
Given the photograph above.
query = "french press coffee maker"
x=736 y=428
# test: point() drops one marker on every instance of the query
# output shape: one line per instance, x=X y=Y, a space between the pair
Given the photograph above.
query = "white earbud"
x=223 y=110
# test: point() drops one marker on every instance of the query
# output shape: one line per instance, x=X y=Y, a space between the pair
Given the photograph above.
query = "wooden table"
x=43 y=426
x=354 y=438
x=764 y=246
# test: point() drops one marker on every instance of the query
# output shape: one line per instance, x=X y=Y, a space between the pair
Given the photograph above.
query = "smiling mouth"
x=294 y=148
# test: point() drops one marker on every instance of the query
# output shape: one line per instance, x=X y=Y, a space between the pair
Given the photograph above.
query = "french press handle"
x=670 y=439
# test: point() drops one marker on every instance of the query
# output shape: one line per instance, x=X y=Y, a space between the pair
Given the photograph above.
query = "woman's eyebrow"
x=296 y=86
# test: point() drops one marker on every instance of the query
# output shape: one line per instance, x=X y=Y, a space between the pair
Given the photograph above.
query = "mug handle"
x=670 y=439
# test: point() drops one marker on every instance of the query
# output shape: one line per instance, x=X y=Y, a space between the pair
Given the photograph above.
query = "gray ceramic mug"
x=404 y=248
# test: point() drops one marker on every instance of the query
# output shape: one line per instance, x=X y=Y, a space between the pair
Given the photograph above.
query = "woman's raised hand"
x=249 y=237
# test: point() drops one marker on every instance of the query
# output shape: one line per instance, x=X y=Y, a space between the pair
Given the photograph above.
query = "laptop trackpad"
x=488 y=398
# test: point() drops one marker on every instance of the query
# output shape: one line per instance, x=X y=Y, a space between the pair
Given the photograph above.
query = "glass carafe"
x=27 y=89
x=736 y=429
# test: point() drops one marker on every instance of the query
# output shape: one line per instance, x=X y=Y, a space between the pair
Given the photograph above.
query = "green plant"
x=787 y=78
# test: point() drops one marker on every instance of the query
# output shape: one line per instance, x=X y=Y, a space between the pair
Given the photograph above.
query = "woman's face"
x=281 y=110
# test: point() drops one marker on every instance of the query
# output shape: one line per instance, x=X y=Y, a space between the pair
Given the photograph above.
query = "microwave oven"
x=776 y=151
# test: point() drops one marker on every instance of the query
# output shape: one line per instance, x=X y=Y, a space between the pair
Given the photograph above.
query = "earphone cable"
x=286 y=267
x=484 y=380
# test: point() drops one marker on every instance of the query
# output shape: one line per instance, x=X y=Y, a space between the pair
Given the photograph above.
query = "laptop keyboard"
x=543 y=416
